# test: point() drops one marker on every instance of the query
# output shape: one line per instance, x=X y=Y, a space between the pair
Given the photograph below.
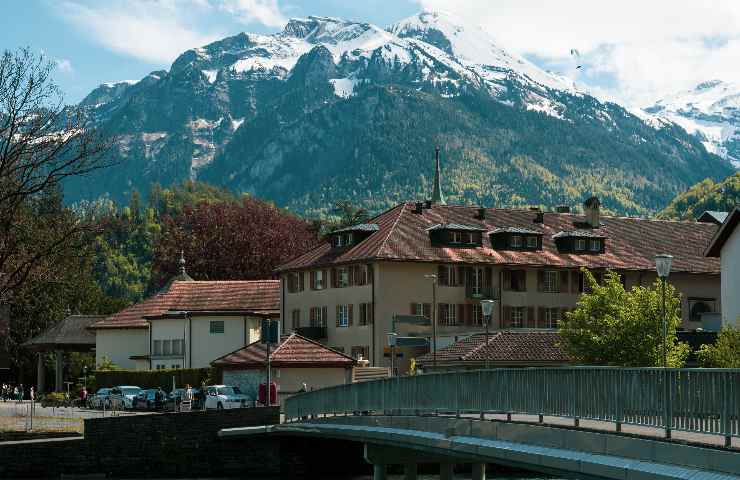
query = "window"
x=477 y=315
x=476 y=277
x=318 y=279
x=580 y=244
x=318 y=316
x=343 y=315
x=338 y=241
x=157 y=347
x=594 y=245
x=360 y=351
x=516 y=241
x=177 y=347
x=174 y=366
x=295 y=317
x=166 y=347
x=366 y=311
x=531 y=242
x=343 y=277
x=517 y=317
x=348 y=239
x=551 y=281
x=217 y=326
x=698 y=306
x=472 y=237
x=455 y=237
x=448 y=313
x=448 y=276
x=295 y=282
x=515 y=280
x=552 y=317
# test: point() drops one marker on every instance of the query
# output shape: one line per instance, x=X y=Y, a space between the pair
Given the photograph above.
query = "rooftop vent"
x=562 y=209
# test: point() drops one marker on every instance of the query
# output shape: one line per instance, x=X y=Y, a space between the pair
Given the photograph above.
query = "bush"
x=724 y=353
x=153 y=378
x=54 y=399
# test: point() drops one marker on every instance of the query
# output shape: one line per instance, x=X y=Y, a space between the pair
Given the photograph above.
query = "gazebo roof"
x=72 y=333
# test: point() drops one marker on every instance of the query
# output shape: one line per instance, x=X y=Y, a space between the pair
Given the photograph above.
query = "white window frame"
x=552 y=317
x=343 y=315
x=166 y=348
x=594 y=245
x=451 y=314
x=157 y=347
x=517 y=317
x=471 y=237
x=348 y=239
x=516 y=241
x=580 y=244
x=531 y=241
x=477 y=277
x=343 y=280
x=318 y=279
x=455 y=237
x=550 y=281
x=338 y=240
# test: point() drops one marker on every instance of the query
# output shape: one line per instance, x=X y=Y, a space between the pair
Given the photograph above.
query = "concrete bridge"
x=605 y=423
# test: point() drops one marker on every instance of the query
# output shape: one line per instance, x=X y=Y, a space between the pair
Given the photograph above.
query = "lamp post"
x=433 y=278
x=392 y=345
x=663 y=266
x=487 y=310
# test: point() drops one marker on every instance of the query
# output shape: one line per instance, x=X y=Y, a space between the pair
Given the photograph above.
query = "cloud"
x=157 y=31
x=632 y=50
x=266 y=12
x=64 y=65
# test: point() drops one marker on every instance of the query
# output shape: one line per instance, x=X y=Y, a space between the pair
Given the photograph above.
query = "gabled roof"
x=293 y=351
x=724 y=232
x=72 y=332
x=712 y=216
x=505 y=346
x=362 y=227
x=633 y=242
x=244 y=296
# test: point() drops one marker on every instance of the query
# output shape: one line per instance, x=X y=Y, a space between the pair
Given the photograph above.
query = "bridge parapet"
x=693 y=400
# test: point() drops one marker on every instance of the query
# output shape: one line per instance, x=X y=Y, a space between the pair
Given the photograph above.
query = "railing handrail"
x=692 y=399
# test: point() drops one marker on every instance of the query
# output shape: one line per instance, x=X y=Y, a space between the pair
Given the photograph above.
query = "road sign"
x=412 y=342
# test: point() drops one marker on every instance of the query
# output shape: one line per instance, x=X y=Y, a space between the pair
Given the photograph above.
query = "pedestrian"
x=32 y=394
x=188 y=400
x=83 y=396
x=16 y=395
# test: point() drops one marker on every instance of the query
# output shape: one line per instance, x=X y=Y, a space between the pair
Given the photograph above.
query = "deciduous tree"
x=725 y=352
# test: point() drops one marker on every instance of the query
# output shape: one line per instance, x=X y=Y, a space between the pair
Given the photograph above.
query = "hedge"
x=154 y=378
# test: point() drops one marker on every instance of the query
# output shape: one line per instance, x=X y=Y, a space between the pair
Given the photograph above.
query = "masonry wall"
x=159 y=445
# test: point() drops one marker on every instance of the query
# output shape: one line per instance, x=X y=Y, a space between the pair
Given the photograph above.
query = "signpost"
x=269 y=334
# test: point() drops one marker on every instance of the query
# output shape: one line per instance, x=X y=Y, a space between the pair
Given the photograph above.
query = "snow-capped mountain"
x=711 y=111
x=329 y=109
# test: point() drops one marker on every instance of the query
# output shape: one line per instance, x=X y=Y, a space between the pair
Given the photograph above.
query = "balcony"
x=312 y=333
x=478 y=292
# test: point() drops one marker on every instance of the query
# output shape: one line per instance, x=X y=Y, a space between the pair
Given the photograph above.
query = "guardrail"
x=694 y=400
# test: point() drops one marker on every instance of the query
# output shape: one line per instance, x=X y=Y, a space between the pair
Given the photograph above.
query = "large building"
x=346 y=291
x=726 y=245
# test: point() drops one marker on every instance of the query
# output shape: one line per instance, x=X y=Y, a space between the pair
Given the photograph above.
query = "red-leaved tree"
x=242 y=240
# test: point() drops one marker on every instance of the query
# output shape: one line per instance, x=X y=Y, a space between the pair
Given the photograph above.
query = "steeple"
x=183 y=273
x=437 y=196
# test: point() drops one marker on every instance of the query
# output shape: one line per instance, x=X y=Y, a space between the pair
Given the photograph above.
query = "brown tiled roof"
x=507 y=346
x=259 y=296
x=293 y=351
x=71 y=332
x=631 y=243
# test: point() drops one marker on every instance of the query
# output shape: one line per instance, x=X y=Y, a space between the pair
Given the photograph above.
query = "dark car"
x=149 y=399
x=174 y=398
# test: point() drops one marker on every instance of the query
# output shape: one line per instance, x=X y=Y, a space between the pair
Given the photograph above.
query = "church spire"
x=437 y=196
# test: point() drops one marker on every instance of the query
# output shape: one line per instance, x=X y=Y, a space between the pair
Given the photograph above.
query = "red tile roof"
x=192 y=296
x=631 y=243
x=293 y=351
x=505 y=346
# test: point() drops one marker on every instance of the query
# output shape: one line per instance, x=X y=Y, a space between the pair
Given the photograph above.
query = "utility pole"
x=433 y=278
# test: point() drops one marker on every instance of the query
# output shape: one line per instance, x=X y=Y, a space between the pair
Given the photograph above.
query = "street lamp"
x=487 y=310
x=663 y=266
x=433 y=278
x=392 y=344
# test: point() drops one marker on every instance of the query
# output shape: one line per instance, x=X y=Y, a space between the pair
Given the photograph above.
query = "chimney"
x=428 y=204
x=418 y=206
x=562 y=209
x=539 y=217
x=481 y=214
x=591 y=210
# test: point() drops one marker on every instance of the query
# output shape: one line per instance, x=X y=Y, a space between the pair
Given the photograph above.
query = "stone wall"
x=158 y=445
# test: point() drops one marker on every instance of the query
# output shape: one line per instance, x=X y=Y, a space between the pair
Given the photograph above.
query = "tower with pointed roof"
x=437 y=196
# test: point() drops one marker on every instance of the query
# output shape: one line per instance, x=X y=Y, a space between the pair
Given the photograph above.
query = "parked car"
x=148 y=400
x=225 y=396
x=123 y=396
x=174 y=398
x=100 y=399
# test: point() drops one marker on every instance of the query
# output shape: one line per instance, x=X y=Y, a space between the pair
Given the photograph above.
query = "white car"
x=220 y=397
x=123 y=396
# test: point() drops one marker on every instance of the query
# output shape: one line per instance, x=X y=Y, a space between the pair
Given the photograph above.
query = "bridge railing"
x=695 y=400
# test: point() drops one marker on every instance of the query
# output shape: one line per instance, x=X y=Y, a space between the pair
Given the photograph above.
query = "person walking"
x=187 y=402
x=16 y=394
x=32 y=394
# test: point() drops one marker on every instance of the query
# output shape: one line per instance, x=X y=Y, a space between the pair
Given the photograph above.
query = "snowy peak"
x=714 y=97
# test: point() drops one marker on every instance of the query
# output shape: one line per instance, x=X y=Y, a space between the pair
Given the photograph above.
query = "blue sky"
x=633 y=51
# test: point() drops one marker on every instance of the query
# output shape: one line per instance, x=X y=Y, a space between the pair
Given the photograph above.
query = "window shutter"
x=507 y=316
x=370 y=279
x=530 y=320
x=468 y=275
x=563 y=281
x=312 y=280
x=326 y=278
x=540 y=280
x=324 y=317
x=337 y=317
x=468 y=314
x=442 y=275
x=461 y=320
x=413 y=309
x=463 y=276
x=301 y=282
x=442 y=318
x=427 y=310
x=351 y=275
x=488 y=277
x=334 y=278
x=350 y=314
x=541 y=317
x=370 y=312
x=507 y=279
x=574 y=281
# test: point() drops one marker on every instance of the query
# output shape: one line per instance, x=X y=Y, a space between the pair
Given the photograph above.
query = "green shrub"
x=154 y=378
x=53 y=399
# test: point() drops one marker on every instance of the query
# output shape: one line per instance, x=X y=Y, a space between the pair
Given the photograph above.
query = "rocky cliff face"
x=329 y=109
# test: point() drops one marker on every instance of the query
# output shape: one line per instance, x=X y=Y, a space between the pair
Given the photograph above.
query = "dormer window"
x=531 y=242
x=456 y=235
x=516 y=238
x=580 y=244
x=346 y=237
x=579 y=241
x=516 y=241
x=594 y=245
